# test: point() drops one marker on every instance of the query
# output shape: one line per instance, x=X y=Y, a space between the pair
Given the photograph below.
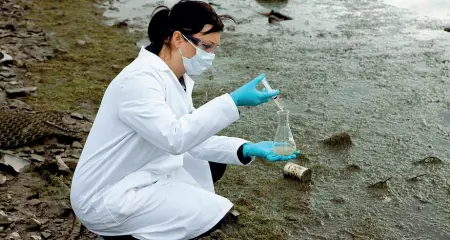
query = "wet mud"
x=376 y=70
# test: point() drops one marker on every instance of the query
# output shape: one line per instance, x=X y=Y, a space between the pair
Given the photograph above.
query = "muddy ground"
x=377 y=72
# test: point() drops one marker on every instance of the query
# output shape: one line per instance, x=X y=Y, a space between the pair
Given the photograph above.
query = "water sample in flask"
x=276 y=99
x=284 y=143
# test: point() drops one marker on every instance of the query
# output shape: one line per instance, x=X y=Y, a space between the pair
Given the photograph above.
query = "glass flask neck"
x=283 y=117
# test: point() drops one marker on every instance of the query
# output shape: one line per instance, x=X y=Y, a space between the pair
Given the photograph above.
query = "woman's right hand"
x=249 y=95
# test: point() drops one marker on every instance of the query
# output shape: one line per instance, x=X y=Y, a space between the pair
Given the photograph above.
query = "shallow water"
x=377 y=70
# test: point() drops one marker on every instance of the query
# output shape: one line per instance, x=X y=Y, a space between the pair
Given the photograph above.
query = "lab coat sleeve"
x=219 y=149
x=143 y=108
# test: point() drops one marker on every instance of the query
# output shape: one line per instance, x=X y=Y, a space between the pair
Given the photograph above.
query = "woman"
x=145 y=170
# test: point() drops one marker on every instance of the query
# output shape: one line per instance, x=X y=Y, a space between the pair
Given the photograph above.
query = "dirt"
x=34 y=185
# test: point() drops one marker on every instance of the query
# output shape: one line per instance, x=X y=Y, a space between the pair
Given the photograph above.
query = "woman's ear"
x=177 y=39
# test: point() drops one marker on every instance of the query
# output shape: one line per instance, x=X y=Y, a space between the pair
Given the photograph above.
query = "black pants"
x=217 y=172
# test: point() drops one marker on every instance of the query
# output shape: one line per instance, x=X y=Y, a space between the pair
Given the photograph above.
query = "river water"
x=378 y=70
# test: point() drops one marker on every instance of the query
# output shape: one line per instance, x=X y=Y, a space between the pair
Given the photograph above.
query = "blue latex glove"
x=249 y=95
x=264 y=150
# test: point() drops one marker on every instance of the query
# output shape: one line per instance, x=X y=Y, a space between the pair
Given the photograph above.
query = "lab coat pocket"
x=125 y=199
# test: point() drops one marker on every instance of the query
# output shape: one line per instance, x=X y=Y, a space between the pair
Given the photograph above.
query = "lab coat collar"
x=159 y=64
x=153 y=59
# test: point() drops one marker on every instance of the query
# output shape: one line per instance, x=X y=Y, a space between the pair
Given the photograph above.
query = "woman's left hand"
x=264 y=150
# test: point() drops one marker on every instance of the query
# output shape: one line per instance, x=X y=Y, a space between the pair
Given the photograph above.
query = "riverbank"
x=58 y=55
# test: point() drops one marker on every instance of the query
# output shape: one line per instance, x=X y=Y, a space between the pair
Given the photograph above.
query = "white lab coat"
x=144 y=169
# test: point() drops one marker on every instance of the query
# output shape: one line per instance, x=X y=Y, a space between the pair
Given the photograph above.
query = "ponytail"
x=188 y=17
x=158 y=28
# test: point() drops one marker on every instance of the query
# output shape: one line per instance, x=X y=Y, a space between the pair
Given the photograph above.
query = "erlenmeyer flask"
x=284 y=143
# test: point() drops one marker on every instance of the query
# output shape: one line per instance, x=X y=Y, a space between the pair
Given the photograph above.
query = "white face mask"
x=201 y=61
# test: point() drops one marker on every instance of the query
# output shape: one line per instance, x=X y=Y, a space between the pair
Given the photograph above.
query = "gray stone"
x=2 y=97
x=71 y=163
x=15 y=235
x=46 y=235
x=17 y=163
x=34 y=224
x=4 y=219
x=61 y=165
x=4 y=57
x=77 y=144
x=35 y=237
x=9 y=152
x=15 y=103
x=39 y=150
x=2 y=179
x=77 y=116
x=14 y=92
x=81 y=42
x=27 y=150
x=34 y=202
x=37 y=158
x=57 y=151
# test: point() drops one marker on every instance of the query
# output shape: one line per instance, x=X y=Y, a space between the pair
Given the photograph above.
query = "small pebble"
x=77 y=116
x=81 y=42
x=34 y=202
x=37 y=158
x=77 y=144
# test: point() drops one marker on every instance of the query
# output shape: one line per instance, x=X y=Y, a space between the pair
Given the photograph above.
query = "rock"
x=447 y=29
x=46 y=235
x=4 y=57
x=77 y=144
x=34 y=196
x=231 y=28
x=37 y=158
x=15 y=103
x=340 y=200
x=342 y=140
x=34 y=202
x=9 y=152
x=381 y=184
x=77 y=116
x=61 y=165
x=218 y=234
x=59 y=50
x=58 y=220
x=60 y=145
x=429 y=160
x=89 y=118
x=353 y=167
x=18 y=164
x=2 y=97
x=57 y=151
x=4 y=219
x=116 y=67
x=15 y=92
x=1 y=229
x=121 y=24
x=34 y=224
x=81 y=42
x=15 y=235
x=19 y=63
x=8 y=196
x=62 y=210
x=7 y=75
x=27 y=150
x=71 y=163
x=2 y=179
x=35 y=237
x=39 y=150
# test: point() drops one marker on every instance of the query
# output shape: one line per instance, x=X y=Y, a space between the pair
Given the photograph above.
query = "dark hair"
x=188 y=17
